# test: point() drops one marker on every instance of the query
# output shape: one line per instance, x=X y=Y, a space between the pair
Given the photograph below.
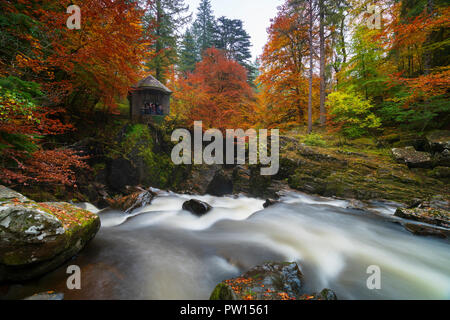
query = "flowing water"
x=162 y=252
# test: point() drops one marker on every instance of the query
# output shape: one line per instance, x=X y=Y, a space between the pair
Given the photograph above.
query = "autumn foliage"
x=98 y=62
x=283 y=81
x=69 y=72
x=217 y=92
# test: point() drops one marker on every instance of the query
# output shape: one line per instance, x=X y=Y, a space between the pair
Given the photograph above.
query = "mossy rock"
x=270 y=281
x=38 y=237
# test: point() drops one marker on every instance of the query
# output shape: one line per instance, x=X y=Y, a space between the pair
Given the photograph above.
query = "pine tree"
x=189 y=54
x=204 y=25
x=168 y=16
x=231 y=37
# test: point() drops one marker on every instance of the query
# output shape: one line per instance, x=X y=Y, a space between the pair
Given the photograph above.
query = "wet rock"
x=270 y=202
x=412 y=158
x=46 y=296
x=271 y=281
x=197 y=207
x=423 y=230
x=220 y=185
x=433 y=216
x=356 y=205
x=38 y=237
x=129 y=203
x=436 y=201
x=241 y=179
x=442 y=159
x=439 y=140
x=327 y=294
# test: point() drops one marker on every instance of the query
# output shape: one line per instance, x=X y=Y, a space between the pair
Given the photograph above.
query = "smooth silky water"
x=162 y=252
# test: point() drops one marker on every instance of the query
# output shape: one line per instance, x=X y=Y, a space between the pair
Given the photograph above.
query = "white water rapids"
x=162 y=252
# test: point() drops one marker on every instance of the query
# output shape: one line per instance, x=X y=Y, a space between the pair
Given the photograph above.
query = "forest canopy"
x=325 y=65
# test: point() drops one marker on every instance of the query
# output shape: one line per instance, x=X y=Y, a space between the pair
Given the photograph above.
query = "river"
x=162 y=252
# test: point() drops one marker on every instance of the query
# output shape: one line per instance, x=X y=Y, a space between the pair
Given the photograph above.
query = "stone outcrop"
x=38 y=237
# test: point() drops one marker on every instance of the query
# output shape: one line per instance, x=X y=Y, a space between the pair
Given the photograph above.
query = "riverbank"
x=125 y=156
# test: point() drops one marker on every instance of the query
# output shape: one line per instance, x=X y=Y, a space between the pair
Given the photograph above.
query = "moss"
x=222 y=292
x=362 y=174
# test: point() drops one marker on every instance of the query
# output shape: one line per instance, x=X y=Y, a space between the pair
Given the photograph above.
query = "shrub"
x=314 y=139
x=351 y=114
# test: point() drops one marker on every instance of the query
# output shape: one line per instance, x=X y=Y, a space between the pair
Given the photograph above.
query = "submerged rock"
x=412 y=158
x=423 y=230
x=46 y=296
x=270 y=202
x=271 y=281
x=197 y=207
x=433 y=216
x=38 y=237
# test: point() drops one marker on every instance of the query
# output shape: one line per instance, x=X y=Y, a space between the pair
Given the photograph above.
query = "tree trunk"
x=427 y=58
x=158 y=70
x=310 y=66
x=323 y=118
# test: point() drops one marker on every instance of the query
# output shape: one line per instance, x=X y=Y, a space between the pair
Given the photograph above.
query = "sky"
x=256 y=15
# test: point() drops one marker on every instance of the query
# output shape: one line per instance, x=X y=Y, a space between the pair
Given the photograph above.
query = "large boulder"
x=38 y=237
x=412 y=158
x=271 y=281
x=197 y=207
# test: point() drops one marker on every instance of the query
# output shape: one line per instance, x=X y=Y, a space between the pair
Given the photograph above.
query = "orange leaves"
x=105 y=56
x=216 y=93
x=283 y=81
x=425 y=87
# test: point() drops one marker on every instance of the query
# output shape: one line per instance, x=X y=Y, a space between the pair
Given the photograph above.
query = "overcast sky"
x=256 y=15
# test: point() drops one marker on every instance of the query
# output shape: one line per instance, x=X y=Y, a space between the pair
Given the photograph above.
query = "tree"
x=231 y=37
x=217 y=92
x=204 y=26
x=306 y=11
x=167 y=17
x=351 y=114
x=47 y=69
x=188 y=53
x=284 y=80
x=322 y=62
x=366 y=70
x=94 y=64
x=23 y=124
x=311 y=59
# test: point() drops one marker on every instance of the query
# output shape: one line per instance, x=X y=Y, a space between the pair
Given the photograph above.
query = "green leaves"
x=352 y=114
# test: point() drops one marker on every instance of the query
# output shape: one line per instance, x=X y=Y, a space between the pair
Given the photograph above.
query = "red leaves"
x=217 y=92
x=43 y=166
x=104 y=57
